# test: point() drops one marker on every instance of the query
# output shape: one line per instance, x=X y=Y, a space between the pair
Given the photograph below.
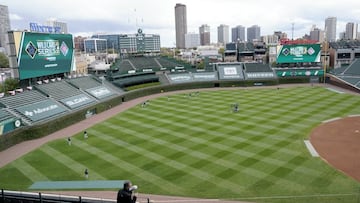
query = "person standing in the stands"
x=125 y=195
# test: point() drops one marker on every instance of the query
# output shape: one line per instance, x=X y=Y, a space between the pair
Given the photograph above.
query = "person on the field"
x=69 y=141
x=85 y=135
x=86 y=172
x=125 y=195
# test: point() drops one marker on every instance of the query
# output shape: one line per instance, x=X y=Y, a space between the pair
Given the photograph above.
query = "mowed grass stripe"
x=169 y=162
x=25 y=168
x=199 y=129
x=240 y=152
x=73 y=165
x=222 y=162
x=132 y=169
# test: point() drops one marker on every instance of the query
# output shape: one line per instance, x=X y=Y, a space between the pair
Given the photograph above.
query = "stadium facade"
x=95 y=45
x=139 y=43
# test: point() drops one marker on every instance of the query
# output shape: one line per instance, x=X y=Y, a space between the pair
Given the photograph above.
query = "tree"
x=200 y=65
x=11 y=84
x=222 y=53
x=4 y=61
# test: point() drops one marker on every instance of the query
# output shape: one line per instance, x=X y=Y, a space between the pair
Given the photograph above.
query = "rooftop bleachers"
x=257 y=67
x=24 y=98
x=345 y=44
x=58 y=90
x=4 y=115
x=84 y=82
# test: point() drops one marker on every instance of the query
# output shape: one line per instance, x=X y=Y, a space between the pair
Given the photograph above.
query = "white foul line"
x=311 y=148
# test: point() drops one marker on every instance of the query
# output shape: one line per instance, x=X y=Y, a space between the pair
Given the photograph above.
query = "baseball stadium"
x=232 y=132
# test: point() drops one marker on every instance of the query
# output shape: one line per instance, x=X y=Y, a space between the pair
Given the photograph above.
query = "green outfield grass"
x=196 y=146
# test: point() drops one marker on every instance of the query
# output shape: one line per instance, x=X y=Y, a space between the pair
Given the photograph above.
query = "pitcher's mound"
x=338 y=142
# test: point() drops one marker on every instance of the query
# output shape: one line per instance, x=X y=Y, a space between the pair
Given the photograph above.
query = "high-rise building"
x=223 y=34
x=238 y=34
x=351 y=31
x=330 y=29
x=317 y=34
x=94 y=45
x=342 y=35
x=4 y=25
x=280 y=35
x=204 y=32
x=192 y=40
x=180 y=25
x=253 y=33
x=54 y=23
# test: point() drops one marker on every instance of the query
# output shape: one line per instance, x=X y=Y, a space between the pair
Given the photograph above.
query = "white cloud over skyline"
x=157 y=16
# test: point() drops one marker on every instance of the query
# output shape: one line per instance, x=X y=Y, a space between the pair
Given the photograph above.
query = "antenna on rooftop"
x=292 y=31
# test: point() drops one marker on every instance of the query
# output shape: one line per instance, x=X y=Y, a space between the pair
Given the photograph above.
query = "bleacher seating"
x=352 y=80
x=125 y=66
x=144 y=63
x=84 y=82
x=257 y=67
x=349 y=74
x=24 y=98
x=354 y=68
x=59 y=90
x=166 y=63
x=135 y=80
x=4 y=115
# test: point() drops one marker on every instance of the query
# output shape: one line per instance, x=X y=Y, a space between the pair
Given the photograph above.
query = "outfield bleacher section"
x=349 y=74
x=141 y=63
x=122 y=81
x=58 y=90
x=84 y=82
x=148 y=64
x=33 y=106
x=4 y=115
x=23 y=98
x=66 y=94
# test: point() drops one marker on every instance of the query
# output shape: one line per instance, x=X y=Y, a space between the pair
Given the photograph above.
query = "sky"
x=86 y=17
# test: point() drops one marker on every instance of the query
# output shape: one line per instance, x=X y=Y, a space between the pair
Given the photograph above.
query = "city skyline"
x=85 y=19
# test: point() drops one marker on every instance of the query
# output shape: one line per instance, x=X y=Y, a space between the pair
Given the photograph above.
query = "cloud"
x=157 y=16
x=15 y=17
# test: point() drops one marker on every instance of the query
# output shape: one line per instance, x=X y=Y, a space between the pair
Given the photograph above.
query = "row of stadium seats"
x=58 y=90
x=257 y=67
x=350 y=74
x=38 y=104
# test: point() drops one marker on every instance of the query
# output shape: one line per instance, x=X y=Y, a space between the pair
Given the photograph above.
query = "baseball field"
x=194 y=144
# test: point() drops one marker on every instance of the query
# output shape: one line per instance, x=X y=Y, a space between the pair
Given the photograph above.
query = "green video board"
x=42 y=54
x=300 y=53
